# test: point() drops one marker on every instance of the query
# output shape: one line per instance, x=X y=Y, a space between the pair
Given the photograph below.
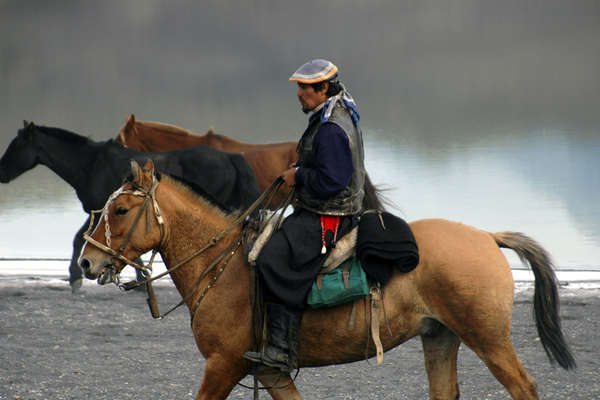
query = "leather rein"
x=149 y=197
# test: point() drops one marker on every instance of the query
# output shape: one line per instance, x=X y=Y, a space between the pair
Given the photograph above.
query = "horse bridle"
x=118 y=254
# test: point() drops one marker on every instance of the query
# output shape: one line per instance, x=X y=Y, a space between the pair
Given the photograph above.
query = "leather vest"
x=348 y=201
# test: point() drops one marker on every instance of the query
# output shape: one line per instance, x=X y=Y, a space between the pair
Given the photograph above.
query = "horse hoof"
x=76 y=286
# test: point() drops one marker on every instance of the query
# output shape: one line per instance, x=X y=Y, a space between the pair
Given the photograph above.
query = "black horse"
x=96 y=169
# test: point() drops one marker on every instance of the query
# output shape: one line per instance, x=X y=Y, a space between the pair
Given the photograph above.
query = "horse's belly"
x=327 y=338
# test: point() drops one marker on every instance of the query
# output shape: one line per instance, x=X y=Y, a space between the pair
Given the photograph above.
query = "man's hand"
x=289 y=176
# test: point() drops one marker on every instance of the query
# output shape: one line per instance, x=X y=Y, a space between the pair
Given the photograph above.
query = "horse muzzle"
x=104 y=272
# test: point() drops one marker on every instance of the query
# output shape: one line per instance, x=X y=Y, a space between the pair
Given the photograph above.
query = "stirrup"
x=270 y=361
x=253 y=356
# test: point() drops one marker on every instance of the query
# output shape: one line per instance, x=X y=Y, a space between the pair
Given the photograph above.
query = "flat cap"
x=315 y=71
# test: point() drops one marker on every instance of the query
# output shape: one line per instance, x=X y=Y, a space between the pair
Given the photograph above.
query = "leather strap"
x=375 y=306
x=346 y=276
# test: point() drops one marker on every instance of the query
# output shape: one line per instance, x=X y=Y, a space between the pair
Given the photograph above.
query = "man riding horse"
x=329 y=182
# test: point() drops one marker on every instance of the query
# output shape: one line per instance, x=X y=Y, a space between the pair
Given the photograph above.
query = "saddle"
x=370 y=252
x=341 y=279
x=382 y=242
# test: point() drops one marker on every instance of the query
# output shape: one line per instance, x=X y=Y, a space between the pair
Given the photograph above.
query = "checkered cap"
x=315 y=71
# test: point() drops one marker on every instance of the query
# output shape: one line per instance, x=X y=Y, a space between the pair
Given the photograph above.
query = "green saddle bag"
x=348 y=282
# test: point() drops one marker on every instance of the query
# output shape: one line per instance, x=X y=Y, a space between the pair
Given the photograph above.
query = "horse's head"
x=130 y=225
x=21 y=154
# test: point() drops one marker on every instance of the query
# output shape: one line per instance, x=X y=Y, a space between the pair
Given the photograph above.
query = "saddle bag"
x=346 y=283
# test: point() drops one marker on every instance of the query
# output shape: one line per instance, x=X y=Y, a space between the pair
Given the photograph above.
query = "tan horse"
x=267 y=161
x=461 y=292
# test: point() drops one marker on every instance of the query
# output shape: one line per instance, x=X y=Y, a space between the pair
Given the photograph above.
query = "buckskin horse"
x=96 y=169
x=267 y=161
x=461 y=292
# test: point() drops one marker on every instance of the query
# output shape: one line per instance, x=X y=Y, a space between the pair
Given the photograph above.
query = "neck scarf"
x=346 y=101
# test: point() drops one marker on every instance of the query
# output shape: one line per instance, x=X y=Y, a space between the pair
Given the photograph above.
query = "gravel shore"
x=103 y=344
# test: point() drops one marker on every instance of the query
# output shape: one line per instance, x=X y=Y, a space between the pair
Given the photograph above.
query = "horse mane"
x=63 y=134
x=193 y=195
x=167 y=129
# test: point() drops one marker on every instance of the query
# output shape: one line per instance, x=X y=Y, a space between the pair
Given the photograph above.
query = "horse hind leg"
x=492 y=344
x=503 y=363
x=440 y=348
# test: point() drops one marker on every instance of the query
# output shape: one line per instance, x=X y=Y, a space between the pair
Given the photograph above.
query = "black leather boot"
x=281 y=350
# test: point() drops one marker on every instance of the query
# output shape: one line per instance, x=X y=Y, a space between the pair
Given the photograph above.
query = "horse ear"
x=145 y=176
x=136 y=171
x=149 y=166
x=25 y=123
x=129 y=123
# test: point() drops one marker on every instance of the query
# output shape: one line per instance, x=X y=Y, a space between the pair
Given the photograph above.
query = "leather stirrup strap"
x=352 y=320
x=375 y=306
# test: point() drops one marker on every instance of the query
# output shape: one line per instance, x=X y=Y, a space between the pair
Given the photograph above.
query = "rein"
x=150 y=196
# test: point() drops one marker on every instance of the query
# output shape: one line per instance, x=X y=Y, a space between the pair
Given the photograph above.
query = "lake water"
x=544 y=185
x=480 y=112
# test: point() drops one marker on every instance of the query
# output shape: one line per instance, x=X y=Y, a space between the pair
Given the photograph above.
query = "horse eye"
x=121 y=211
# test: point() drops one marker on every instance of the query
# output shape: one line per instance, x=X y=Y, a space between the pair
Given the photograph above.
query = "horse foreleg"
x=220 y=377
x=75 y=271
x=280 y=386
x=441 y=352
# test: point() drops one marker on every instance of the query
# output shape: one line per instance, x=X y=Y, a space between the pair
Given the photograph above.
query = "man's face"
x=308 y=98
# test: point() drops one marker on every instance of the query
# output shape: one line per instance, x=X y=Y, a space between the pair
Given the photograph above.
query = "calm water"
x=544 y=185
x=483 y=112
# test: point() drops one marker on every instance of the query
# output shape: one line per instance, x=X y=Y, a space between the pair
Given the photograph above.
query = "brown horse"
x=461 y=292
x=267 y=161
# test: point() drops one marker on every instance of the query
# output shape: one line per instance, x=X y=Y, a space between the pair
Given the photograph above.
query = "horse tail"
x=546 y=302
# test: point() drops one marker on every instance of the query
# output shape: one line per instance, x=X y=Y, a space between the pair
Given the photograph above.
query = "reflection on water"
x=544 y=185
